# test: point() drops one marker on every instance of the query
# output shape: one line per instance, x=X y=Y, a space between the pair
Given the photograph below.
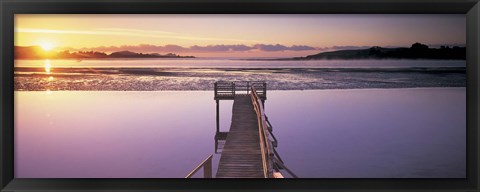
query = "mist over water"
x=240 y=63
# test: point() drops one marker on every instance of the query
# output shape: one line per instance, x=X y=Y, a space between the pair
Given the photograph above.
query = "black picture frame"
x=9 y=8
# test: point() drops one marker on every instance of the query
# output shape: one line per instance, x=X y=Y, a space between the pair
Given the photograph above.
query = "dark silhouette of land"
x=36 y=52
x=416 y=51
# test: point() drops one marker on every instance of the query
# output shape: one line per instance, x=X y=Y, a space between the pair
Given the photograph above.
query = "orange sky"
x=253 y=35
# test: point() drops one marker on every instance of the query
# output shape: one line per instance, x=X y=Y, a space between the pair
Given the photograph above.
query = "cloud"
x=220 y=48
x=278 y=47
x=147 y=48
x=170 y=48
x=54 y=31
x=301 y=48
x=131 y=32
x=135 y=30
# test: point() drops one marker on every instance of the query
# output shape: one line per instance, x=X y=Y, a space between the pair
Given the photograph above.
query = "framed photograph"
x=233 y=95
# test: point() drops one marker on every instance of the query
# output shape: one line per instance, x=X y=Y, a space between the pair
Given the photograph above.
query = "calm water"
x=230 y=63
x=417 y=132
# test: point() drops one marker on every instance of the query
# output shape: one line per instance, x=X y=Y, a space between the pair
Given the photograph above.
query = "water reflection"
x=220 y=138
x=48 y=66
x=132 y=135
x=48 y=71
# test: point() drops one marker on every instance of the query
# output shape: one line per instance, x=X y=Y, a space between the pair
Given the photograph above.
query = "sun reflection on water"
x=48 y=66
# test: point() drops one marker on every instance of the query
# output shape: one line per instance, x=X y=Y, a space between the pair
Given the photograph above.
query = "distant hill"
x=36 y=52
x=416 y=51
x=129 y=54
x=125 y=54
x=29 y=52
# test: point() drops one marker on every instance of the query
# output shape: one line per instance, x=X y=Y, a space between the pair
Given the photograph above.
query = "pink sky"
x=236 y=35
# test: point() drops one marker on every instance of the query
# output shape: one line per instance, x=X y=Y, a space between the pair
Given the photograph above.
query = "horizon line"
x=225 y=48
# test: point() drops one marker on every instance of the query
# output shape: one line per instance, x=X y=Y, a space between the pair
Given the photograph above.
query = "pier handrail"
x=207 y=168
x=270 y=158
x=266 y=145
x=270 y=129
x=279 y=162
x=228 y=89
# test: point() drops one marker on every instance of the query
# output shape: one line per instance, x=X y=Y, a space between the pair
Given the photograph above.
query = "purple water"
x=401 y=133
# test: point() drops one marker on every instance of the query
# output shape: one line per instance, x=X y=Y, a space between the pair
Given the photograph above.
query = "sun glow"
x=47 y=46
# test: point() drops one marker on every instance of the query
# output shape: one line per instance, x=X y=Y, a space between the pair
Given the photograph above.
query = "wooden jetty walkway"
x=241 y=156
x=249 y=145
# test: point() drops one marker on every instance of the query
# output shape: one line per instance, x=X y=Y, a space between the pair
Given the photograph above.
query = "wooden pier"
x=249 y=145
x=241 y=155
x=249 y=149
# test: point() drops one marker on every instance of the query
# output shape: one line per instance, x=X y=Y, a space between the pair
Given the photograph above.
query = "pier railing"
x=226 y=90
x=266 y=143
x=270 y=158
x=207 y=168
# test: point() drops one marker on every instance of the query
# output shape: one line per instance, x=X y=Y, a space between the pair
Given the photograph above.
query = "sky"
x=235 y=35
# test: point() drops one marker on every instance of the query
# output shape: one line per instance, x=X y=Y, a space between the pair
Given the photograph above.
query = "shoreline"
x=155 y=79
x=276 y=90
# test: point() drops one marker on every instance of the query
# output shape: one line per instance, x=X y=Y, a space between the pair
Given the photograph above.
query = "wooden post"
x=207 y=169
x=264 y=90
x=218 y=115
x=215 y=90
x=233 y=89
x=216 y=144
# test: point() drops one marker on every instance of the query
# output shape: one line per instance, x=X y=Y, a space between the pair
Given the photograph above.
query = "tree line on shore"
x=36 y=52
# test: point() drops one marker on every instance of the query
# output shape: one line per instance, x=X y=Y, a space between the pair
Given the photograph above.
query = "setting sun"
x=47 y=46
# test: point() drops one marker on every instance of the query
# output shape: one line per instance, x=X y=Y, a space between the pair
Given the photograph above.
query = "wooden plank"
x=241 y=156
